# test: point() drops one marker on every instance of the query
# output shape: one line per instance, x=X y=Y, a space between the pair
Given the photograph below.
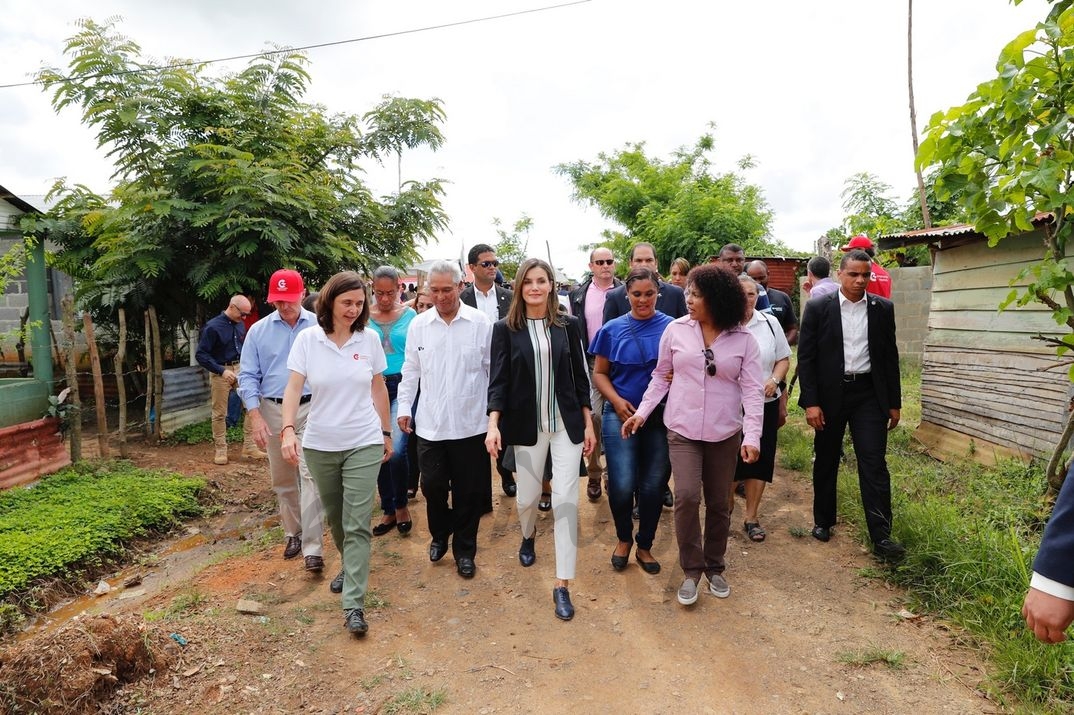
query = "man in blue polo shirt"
x=263 y=376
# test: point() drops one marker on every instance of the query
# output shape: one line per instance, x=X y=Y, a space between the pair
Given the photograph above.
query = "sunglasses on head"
x=489 y=264
x=604 y=262
x=710 y=364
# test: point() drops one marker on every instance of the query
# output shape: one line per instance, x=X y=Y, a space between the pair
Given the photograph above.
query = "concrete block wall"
x=912 y=294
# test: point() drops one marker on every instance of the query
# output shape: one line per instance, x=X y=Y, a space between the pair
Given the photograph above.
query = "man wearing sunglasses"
x=218 y=352
x=493 y=300
x=587 y=304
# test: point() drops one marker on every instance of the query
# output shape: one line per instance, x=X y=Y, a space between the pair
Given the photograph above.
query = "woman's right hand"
x=289 y=447
x=624 y=409
x=492 y=442
x=632 y=425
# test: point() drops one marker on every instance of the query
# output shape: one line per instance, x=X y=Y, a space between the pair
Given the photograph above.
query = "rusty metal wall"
x=30 y=450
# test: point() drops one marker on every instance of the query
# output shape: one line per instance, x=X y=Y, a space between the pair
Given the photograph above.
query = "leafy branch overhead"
x=680 y=205
x=221 y=181
x=1008 y=155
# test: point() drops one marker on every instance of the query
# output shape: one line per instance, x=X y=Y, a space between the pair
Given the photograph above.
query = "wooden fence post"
x=98 y=386
x=148 y=379
x=67 y=307
x=158 y=373
x=121 y=386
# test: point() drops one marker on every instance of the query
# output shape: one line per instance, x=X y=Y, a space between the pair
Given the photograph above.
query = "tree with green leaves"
x=222 y=180
x=680 y=205
x=512 y=248
x=1008 y=154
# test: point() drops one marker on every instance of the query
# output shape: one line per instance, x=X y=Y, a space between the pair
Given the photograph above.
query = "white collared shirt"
x=451 y=364
x=855 y=318
x=488 y=303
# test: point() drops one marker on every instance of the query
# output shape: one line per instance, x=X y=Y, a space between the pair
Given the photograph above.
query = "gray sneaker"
x=688 y=592
x=718 y=586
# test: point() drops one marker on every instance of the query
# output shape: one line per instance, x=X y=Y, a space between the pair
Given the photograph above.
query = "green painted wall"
x=22 y=400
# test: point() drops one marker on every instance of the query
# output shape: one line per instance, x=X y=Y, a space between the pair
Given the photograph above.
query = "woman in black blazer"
x=539 y=403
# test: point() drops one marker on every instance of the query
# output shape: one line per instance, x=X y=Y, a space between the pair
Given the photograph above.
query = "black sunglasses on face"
x=710 y=364
x=604 y=262
x=489 y=264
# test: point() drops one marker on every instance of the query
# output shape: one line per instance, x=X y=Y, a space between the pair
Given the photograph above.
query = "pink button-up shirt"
x=701 y=407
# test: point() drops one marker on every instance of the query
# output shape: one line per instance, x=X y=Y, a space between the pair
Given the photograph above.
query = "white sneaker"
x=718 y=586
x=688 y=592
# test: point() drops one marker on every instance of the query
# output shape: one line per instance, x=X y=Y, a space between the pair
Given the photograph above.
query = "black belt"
x=279 y=400
x=856 y=376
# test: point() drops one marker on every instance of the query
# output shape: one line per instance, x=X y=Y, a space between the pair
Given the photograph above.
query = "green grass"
x=971 y=533
x=83 y=516
x=872 y=655
x=415 y=700
x=202 y=433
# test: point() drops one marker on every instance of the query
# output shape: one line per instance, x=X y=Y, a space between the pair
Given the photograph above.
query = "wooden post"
x=158 y=374
x=67 y=307
x=98 y=386
x=121 y=386
x=148 y=379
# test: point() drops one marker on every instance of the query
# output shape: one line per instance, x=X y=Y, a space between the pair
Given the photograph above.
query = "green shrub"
x=202 y=433
x=82 y=515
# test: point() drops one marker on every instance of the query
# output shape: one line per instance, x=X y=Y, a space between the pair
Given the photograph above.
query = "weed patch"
x=415 y=700
x=202 y=433
x=82 y=516
x=871 y=656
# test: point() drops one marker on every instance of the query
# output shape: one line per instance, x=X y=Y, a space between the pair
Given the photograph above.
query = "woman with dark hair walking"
x=347 y=435
x=713 y=416
x=539 y=403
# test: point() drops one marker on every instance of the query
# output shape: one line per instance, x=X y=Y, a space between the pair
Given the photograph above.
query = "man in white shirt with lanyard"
x=447 y=354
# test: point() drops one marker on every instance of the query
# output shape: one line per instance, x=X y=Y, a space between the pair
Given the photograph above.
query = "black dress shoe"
x=669 y=499
x=383 y=527
x=526 y=554
x=562 y=598
x=404 y=527
x=592 y=489
x=355 y=621
x=888 y=550
x=293 y=547
x=337 y=583
x=650 y=567
x=465 y=566
x=620 y=562
x=821 y=533
x=437 y=549
x=545 y=504
x=510 y=489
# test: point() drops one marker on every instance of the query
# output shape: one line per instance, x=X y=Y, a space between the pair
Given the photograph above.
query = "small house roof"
x=962 y=231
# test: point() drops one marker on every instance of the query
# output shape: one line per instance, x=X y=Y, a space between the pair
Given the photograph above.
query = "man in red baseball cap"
x=880 y=281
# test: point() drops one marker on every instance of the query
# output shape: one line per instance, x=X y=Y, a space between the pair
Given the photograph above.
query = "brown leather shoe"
x=293 y=547
x=592 y=489
x=314 y=564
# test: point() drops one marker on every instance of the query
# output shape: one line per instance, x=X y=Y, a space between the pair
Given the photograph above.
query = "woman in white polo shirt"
x=347 y=434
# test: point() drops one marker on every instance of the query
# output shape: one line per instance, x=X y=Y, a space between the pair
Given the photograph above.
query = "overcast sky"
x=814 y=91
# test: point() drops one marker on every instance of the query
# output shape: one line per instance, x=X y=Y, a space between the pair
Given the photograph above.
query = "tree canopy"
x=680 y=205
x=222 y=180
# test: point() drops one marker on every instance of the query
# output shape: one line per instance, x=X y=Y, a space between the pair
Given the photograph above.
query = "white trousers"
x=529 y=473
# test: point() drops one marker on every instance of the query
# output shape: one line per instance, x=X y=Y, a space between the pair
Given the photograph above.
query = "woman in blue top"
x=626 y=350
x=390 y=319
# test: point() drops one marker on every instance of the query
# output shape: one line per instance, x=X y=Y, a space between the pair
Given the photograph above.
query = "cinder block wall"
x=911 y=292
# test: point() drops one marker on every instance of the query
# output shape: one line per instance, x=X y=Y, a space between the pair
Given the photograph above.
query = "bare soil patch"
x=798 y=609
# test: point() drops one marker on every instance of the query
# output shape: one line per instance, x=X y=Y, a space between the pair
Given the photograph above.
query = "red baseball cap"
x=861 y=242
x=285 y=285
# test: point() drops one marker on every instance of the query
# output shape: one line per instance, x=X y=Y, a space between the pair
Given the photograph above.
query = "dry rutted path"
x=798 y=610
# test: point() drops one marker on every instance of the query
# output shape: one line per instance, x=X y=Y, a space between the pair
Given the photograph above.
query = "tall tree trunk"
x=67 y=307
x=913 y=110
x=121 y=386
x=98 y=386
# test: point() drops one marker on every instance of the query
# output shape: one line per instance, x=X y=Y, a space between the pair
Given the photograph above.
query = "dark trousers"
x=393 y=476
x=869 y=433
x=460 y=468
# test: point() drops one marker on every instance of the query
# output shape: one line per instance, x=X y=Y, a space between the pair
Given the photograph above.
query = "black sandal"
x=754 y=530
x=546 y=502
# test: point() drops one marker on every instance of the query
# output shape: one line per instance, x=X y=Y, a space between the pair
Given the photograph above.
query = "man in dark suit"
x=670 y=301
x=779 y=303
x=848 y=369
x=493 y=300
x=1049 y=605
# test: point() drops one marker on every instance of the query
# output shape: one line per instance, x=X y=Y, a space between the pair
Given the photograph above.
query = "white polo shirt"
x=342 y=415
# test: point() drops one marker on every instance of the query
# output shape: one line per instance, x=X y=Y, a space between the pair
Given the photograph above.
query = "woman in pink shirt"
x=716 y=377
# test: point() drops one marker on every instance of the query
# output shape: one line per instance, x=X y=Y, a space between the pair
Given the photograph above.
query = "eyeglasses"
x=710 y=363
x=489 y=264
x=384 y=293
x=604 y=262
x=242 y=314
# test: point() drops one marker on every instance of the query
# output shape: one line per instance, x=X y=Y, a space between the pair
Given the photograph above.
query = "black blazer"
x=513 y=381
x=503 y=299
x=669 y=301
x=820 y=354
x=576 y=298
